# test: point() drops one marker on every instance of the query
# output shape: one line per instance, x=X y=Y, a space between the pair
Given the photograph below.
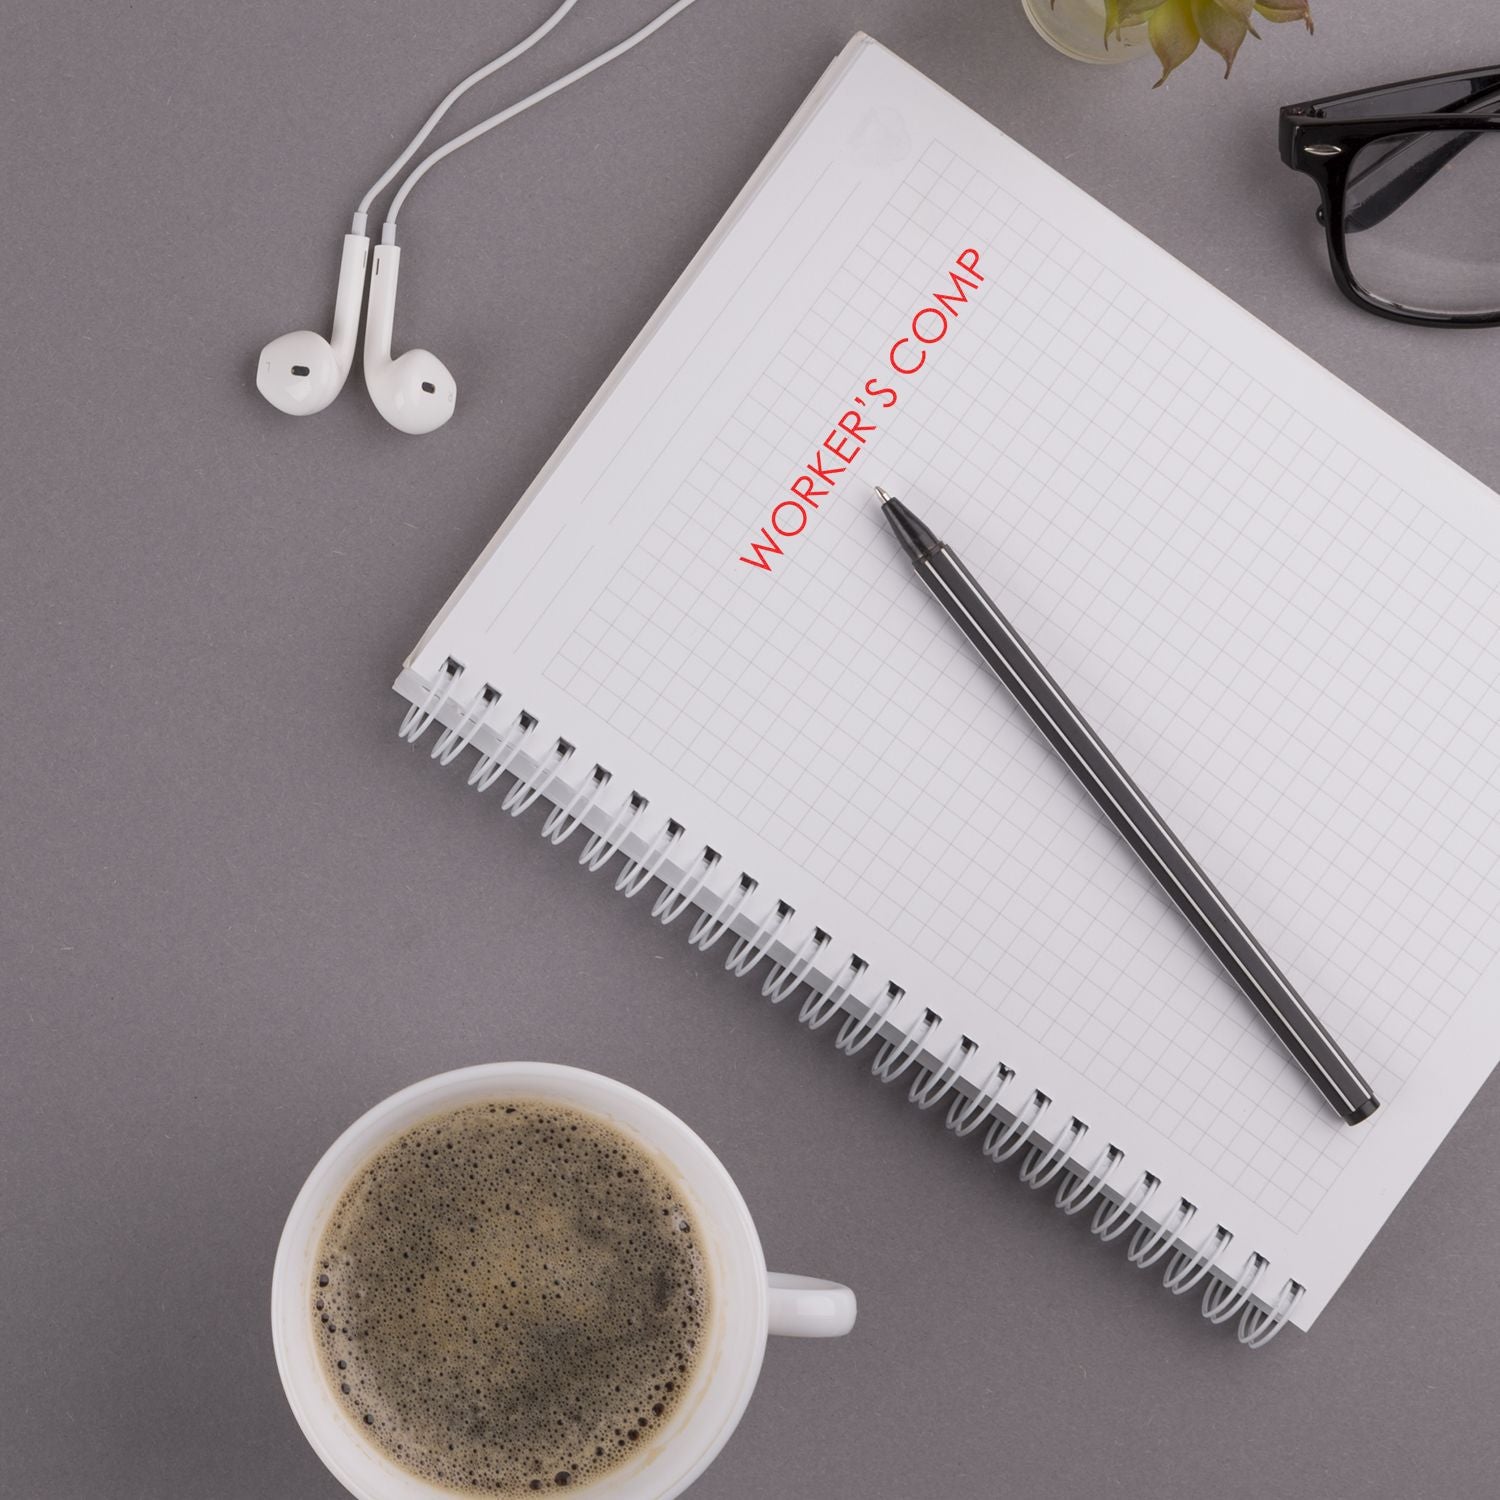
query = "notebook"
x=695 y=641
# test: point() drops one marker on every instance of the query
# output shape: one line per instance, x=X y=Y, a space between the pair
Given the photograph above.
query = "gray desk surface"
x=236 y=911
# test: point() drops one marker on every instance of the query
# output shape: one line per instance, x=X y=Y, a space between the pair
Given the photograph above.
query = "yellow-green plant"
x=1177 y=26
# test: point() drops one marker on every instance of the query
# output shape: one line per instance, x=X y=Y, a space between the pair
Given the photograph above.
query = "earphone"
x=300 y=373
x=414 y=393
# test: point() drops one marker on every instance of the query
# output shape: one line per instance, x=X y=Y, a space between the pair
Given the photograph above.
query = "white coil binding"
x=1258 y=1327
x=967 y=1115
x=833 y=992
x=822 y=1005
x=745 y=953
x=674 y=898
x=1040 y=1168
x=1077 y=1190
x=527 y=788
x=1185 y=1271
x=856 y=1032
x=1148 y=1245
x=1111 y=1220
x=711 y=926
x=488 y=769
x=1223 y=1299
x=927 y=1088
x=1004 y=1138
x=566 y=818
x=894 y=1058
x=783 y=980
x=637 y=874
x=599 y=848
x=452 y=742
x=420 y=715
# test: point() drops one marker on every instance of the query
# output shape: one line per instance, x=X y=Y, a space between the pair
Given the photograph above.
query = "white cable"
x=449 y=100
x=388 y=233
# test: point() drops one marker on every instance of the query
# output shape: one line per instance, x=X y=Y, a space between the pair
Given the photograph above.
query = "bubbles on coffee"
x=510 y=1298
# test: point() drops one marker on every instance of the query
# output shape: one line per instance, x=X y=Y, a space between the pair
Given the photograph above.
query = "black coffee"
x=511 y=1297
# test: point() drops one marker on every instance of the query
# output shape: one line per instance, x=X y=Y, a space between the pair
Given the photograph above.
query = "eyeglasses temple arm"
x=1384 y=201
x=1380 y=205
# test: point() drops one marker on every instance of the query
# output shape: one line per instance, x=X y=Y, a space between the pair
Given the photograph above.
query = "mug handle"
x=802 y=1307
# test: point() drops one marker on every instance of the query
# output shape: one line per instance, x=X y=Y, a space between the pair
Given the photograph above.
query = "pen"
x=1123 y=802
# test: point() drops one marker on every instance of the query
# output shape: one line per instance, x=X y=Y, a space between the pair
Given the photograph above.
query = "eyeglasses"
x=1410 y=178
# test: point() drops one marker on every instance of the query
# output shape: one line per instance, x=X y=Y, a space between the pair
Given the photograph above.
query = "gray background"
x=236 y=911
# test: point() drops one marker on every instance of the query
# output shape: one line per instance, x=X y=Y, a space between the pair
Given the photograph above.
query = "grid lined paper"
x=1295 y=658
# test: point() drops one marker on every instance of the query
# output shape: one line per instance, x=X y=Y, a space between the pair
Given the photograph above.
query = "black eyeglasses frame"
x=1322 y=138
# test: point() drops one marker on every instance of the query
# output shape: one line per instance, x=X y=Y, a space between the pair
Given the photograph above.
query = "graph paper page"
x=1275 y=604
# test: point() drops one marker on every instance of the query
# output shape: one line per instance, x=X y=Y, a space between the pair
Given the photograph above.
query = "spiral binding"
x=1018 y=1117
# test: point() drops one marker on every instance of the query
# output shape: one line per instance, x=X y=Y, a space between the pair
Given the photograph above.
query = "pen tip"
x=885 y=495
x=917 y=538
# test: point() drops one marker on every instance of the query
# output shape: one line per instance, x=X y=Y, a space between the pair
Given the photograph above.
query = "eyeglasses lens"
x=1422 y=221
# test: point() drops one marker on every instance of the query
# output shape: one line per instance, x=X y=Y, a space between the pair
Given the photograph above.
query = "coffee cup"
x=748 y=1303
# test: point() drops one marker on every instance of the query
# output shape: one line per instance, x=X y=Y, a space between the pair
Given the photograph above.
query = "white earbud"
x=301 y=372
x=414 y=393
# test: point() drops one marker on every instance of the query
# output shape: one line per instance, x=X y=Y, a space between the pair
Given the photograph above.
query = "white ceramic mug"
x=748 y=1302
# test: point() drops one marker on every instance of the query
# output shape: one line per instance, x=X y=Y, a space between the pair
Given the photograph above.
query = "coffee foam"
x=510 y=1298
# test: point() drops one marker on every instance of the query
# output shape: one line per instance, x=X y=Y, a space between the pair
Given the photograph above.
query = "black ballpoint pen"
x=1123 y=802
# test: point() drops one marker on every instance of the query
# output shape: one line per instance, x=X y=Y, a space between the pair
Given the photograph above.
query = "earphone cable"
x=388 y=232
x=449 y=100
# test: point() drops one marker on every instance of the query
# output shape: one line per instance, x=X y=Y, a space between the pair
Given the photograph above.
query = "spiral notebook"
x=695 y=640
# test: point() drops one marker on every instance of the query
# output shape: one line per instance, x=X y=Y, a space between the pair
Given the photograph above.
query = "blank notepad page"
x=1275 y=604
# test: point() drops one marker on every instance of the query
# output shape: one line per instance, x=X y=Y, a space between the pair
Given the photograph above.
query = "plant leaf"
x=1286 y=10
x=1174 y=35
x=1242 y=10
x=1221 y=29
x=1131 y=12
